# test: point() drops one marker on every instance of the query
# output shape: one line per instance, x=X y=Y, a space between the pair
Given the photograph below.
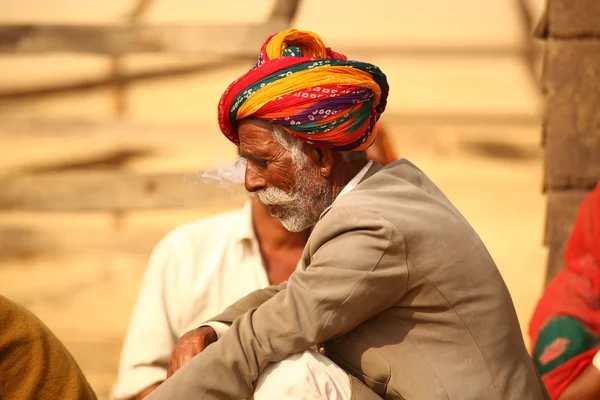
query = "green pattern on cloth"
x=292 y=51
x=561 y=339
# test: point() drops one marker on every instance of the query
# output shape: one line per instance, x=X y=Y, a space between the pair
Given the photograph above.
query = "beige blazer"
x=397 y=288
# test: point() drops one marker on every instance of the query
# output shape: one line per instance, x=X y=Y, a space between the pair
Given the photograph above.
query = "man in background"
x=194 y=273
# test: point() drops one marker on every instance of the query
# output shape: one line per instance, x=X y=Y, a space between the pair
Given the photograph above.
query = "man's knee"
x=306 y=375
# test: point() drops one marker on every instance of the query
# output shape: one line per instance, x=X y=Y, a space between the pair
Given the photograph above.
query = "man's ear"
x=323 y=159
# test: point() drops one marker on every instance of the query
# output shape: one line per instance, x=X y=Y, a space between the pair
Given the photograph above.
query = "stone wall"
x=571 y=125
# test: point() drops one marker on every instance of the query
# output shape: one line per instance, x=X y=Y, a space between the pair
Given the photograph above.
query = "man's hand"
x=190 y=345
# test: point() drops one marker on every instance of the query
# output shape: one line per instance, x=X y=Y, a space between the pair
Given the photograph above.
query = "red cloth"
x=559 y=378
x=575 y=291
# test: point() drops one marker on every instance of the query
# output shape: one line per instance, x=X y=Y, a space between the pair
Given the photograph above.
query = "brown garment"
x=34 y=364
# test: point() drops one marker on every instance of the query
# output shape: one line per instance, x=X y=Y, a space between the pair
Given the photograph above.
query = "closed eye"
x=260 y=162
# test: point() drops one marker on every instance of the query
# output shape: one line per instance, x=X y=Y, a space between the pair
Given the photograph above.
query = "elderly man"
x=396 y=289
x=199 y=269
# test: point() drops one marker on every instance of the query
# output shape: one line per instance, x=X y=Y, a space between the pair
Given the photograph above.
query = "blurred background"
x=103 y=133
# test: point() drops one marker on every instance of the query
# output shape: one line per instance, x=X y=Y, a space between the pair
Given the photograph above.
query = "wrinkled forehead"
x=256 y=139
x=255 y=122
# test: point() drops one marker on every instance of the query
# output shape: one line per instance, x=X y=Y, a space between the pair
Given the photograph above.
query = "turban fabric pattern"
x=316 y=94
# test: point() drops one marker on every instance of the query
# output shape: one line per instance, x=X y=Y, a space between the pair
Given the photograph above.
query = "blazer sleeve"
x=247 y=303
x=357 y=269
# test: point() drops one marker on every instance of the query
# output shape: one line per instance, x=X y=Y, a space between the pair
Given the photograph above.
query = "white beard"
x=301 y=209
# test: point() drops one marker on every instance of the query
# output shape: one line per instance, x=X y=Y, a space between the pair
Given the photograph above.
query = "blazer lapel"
x=375 y=167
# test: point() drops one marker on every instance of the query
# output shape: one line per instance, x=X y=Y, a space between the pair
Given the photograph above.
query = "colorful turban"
x=314 y=93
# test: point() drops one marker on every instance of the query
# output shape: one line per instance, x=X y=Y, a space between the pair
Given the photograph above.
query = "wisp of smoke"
x=229 y=177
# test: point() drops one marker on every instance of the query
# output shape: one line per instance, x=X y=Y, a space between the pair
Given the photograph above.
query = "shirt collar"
x=245 y=231
x=245 y=235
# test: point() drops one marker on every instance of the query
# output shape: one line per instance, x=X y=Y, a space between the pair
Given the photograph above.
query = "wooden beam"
x=532 y=54
x=117 y=65
x=206 y=40
x=27 y=241
x=96 y=144
x=285 y=9
x=110 y=160
x=114 y=191
x=119 y=40
x=116 y=131
x=17 y=242
x=12 y=36
x=85 y=85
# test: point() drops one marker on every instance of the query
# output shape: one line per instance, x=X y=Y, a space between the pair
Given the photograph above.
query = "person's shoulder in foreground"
x=34 y=364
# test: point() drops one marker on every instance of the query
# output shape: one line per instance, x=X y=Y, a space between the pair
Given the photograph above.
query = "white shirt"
x=194 y=273
x=219 y=327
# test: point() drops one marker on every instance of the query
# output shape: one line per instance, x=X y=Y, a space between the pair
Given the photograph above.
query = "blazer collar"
x=375 y=167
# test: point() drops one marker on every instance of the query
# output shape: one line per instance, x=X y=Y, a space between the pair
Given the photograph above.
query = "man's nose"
x=253 y=180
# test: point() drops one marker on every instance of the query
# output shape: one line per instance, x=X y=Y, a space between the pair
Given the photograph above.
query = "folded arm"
x=357 y=270
x=221 y=322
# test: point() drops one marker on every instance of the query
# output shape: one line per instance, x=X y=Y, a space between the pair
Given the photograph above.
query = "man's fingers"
x=179 y=360
x=189 y=346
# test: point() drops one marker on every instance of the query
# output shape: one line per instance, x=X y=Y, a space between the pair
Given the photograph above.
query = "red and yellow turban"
x=314 y=93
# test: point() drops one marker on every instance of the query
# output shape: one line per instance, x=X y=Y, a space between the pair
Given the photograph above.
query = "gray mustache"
x=274 y=197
